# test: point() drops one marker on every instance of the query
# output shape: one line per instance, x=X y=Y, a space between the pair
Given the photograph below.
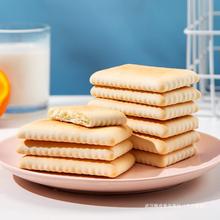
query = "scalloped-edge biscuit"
x=181 y=95
x=51 y=130
x=110 y=169
x=73 y=150
x=88 y=116
x=163 y=129
x=145 y=111
x=163 y=160
x=164 y=145
x=145 y=78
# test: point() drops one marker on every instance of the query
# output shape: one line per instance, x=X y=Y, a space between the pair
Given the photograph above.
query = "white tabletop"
x=20 y=199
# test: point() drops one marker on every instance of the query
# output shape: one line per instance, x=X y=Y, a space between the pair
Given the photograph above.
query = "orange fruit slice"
x=4 y=92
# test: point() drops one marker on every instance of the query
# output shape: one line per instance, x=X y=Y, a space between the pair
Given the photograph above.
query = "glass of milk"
x=25 y=59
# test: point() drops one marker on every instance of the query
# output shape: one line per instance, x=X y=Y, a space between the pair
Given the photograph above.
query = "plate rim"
x=206 y=165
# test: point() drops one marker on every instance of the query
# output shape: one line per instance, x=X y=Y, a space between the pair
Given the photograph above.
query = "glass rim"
x=19 y=28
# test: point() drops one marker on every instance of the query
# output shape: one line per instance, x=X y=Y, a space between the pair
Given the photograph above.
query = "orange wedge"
x=4 y=92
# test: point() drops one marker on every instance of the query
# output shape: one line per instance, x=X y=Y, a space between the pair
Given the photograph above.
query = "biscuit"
x=51 y=130
x=73 y=150
x=145 y=111
x=164 y=145
x=78 y=166
x=88 y=116
x=163 y=129
x=181 y=95
x=144 y=78
x=163 y=160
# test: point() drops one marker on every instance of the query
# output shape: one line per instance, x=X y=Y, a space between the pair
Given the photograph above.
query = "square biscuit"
x=57 y=131
x=109 y=169
x=146 y=111
x=144 y=78
x=163 y=160
x=180 y=95
x=163 y=129
x=164 y=145
x=88 y=116
x=73 y=150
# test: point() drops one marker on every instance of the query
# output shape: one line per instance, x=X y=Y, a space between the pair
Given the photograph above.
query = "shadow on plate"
x=189 y=193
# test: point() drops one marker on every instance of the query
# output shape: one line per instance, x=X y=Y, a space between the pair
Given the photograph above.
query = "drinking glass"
x=25 y=59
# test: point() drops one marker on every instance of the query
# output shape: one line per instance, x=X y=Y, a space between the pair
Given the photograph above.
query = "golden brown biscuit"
x=73 y=150
x=164 y=145
x=145 y=78
x=51 y=130
x=158 y=160
x=163 y=129
x=77 y=166
x=88 y=116
x=181 y=95
x=146 y=111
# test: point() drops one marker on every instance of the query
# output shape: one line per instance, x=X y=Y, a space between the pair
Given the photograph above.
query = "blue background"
x=88 y=35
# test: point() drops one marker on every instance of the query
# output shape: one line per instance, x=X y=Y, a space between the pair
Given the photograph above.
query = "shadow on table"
x=192 y=192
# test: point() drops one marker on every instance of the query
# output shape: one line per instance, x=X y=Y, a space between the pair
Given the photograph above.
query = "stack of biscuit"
x=78 y=140
x=158 y=103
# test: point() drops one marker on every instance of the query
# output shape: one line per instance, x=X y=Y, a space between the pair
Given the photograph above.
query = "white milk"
x=27 y=66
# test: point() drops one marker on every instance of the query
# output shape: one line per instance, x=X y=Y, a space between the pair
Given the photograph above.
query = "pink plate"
x=139 y=178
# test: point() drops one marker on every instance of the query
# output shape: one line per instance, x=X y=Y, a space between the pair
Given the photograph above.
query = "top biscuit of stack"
x=144 y=78
x=87 y=116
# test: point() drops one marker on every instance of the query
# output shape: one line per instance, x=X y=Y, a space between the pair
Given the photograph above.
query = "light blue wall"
x=88 y=35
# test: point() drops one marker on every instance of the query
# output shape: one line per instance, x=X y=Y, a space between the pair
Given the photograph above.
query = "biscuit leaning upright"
x=158 y=103
x=79 y=146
